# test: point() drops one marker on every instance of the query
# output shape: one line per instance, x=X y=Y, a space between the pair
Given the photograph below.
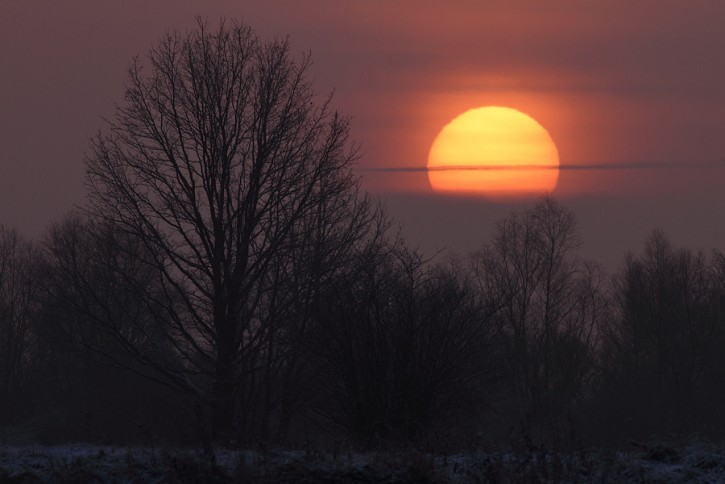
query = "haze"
x=615 y=83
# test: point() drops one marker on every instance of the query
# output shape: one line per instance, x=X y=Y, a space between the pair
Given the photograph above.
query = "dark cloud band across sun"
x=567 y=166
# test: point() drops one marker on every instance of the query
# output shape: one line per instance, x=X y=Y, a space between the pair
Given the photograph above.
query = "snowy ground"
x=88 y=463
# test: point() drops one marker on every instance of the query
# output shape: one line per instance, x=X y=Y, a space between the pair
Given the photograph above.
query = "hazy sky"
x=614 y=82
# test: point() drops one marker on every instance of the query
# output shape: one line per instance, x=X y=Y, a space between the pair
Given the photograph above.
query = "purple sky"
x=613 y=82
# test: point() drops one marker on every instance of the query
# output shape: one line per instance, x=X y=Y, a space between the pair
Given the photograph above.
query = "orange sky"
x=614 y=82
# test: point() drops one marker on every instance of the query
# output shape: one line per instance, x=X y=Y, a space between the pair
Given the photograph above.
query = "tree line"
x=520 y=342
x=228 y=280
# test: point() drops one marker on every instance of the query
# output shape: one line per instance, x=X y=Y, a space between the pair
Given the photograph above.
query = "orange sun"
x=493 y=152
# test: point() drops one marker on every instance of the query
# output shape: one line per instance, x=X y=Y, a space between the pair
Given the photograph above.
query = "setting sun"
x=493 y=152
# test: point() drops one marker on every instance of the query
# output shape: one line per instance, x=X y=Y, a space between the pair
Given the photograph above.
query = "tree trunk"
x=223 y=417
x=223 y=406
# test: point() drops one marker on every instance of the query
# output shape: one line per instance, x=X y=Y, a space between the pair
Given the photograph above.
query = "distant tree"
x=405 y=347
x=663 y=356
x=101 y=350
x=18 y=291
x=714 y=352
x=715 y=359
x=96 y=285
x=550 y=304
x=222 y=163
x=330 y=244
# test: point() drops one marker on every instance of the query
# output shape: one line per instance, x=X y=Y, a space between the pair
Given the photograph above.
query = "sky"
x=634 y=89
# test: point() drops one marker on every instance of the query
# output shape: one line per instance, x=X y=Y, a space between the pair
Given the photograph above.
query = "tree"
x=215 y=162
x=405 y=347
x=664 y=347
x=18 y=289
x=94 y=282
x=549 y=304
x=101 y=350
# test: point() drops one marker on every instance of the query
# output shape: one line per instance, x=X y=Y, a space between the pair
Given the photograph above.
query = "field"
x=89 y=463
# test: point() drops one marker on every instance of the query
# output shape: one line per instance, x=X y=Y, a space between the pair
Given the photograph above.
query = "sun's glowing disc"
x=494 y=152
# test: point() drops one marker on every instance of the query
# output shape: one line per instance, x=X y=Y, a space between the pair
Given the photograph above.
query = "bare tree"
x=18 y=288
x=405 y=347
x=716 y=332
x=550 y=305
x=95 y=298
x=331 y=243
x=664 y=347
x=215 y=160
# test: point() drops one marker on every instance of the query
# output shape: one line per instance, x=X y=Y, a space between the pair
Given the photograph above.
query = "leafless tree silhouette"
x=18 y=291
x=406 y=346
x=550 y=306
x=663 y=359
x=95 y=287
x=224 y=165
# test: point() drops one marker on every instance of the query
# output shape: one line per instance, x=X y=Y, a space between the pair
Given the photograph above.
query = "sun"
x=495 y=152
